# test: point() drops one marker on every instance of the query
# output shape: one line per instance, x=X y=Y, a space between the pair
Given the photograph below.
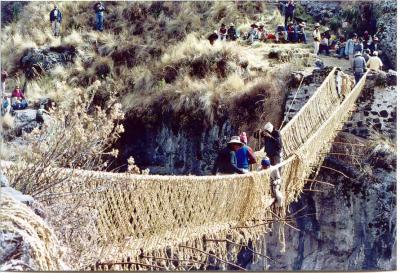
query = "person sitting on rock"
x=226 y=162
x=367 y=55
x=55 y=20
x=18 y=101
x=302 y=38
x=99 y=9
x=324 y=45
x=252 y=35
x=245 y=156
x=367 y=39
x=375 y=63
x=262 y=33
x=340 y=47
x=232 y=34
x=359 y=66
x=291 y=32
x=276 y=181
x=281 y=34
x=222 y=33
x=374 y=46
x=272 y=143
x=213 y=37
x=5 y=105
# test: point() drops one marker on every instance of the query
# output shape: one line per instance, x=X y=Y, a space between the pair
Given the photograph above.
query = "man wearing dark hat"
x=226 y=162
x=375 y=44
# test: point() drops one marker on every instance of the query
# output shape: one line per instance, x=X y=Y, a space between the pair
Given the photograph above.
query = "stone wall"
x=377 y=107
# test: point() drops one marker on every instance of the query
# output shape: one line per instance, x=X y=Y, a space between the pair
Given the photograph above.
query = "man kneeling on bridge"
x=275 y=178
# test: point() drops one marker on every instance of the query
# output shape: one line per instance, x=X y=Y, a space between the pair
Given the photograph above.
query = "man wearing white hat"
x=272 y=143
x=375 y=62
x=317 y=38
x=359 y=66
x=226 y=162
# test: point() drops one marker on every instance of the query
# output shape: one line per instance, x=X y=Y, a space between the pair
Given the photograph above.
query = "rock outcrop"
x=37 y=61
x=351 y=226
x=386 y=14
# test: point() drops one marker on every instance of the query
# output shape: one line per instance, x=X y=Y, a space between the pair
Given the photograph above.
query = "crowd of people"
x=14 y=101
x=237 y=157
x=293 y=32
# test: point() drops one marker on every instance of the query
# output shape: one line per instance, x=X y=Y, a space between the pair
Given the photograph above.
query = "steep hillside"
x=154 y=58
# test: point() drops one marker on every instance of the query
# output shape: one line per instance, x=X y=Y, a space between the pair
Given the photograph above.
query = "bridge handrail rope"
x=149 y=213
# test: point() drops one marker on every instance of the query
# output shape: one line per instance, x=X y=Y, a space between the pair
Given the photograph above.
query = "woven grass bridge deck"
x=178 y=222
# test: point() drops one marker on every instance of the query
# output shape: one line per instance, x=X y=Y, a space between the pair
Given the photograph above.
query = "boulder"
x=37 y=61
x=28 y=119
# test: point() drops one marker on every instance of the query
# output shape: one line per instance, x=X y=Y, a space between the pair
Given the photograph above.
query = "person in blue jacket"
x=349 y=50
x=245 y=155
x=55 y=20
x=99 y=9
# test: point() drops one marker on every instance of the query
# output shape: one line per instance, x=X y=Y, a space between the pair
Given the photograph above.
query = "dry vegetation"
x=151 y=54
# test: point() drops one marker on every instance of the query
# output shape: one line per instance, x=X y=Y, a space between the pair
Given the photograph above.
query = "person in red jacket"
x=18 y=101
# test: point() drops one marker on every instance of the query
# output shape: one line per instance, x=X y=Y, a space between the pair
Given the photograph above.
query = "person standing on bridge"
x=317 y=38
x=359 y=66
x=272 y=143
x=226 y=162
x=245 y=156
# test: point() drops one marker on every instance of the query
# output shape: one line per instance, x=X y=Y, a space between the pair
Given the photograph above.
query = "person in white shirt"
x=317 y=38
x=375 y=62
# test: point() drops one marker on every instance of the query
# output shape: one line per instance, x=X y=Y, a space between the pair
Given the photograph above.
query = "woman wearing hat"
x=317 y=38
x=226 y=162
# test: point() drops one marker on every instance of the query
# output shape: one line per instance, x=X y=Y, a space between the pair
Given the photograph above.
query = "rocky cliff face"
x=351 y=226
x=166 y=150
x=386 y=14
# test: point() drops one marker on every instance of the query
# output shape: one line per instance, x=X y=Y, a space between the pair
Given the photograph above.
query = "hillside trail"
x=259 y=54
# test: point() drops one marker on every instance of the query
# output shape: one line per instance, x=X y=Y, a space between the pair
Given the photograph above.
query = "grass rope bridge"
x=160 y=220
